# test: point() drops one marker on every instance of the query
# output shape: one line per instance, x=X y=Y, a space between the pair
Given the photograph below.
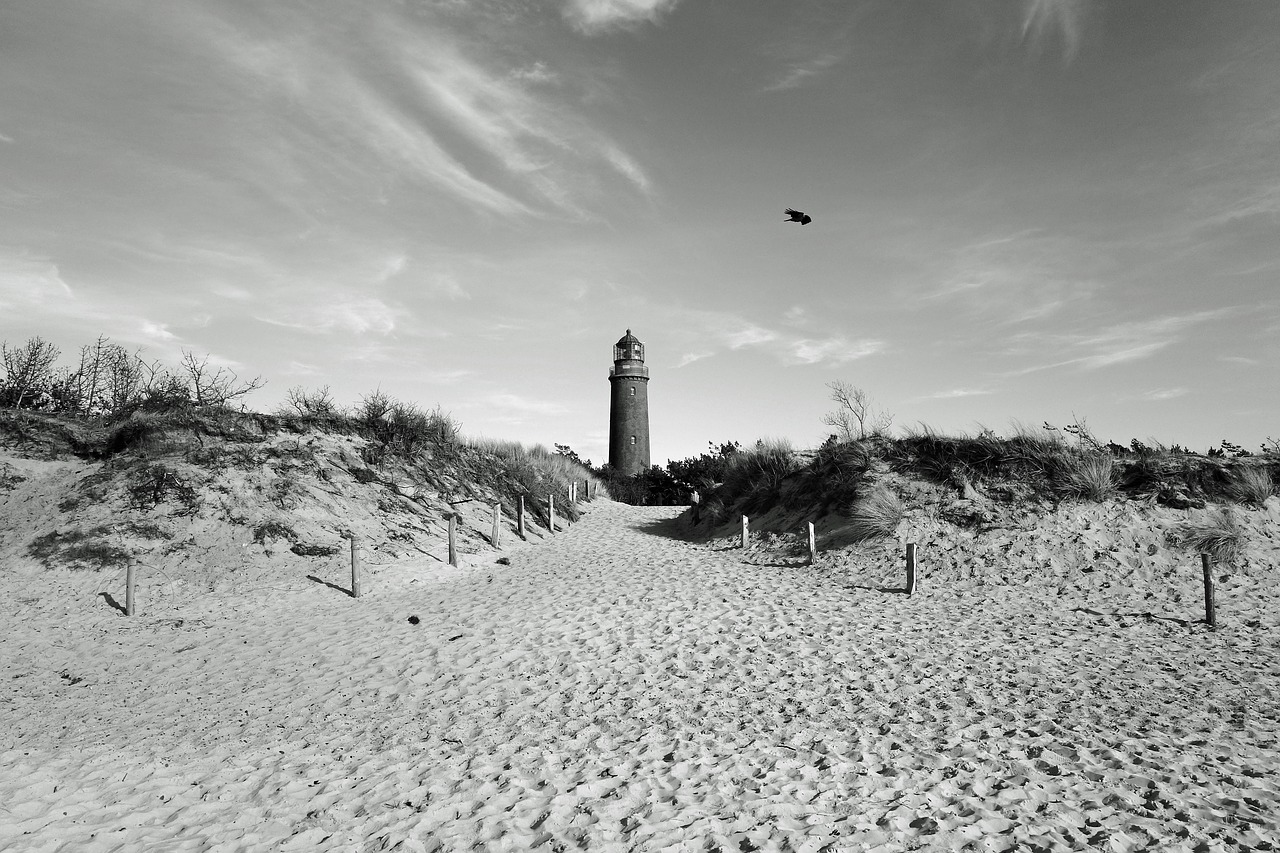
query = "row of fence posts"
x=1206 y=563
x=131 y=570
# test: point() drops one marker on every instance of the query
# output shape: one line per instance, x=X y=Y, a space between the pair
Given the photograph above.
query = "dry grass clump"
x=753 y=477
x=1251 y=484
x=1216 y=533
x=875 y=514
x=1091 y=476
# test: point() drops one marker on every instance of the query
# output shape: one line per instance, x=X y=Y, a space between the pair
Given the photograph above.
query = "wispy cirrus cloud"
x=1046 y=19
x=1114 y=344
x=1165 y=394
x=806 y=71
x=715 y=331
x=597 y=16
x=423 y=102
x=955 y=393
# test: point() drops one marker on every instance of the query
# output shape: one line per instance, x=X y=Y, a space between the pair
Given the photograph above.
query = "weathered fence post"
x=813 y=548
x=744 y=532
x=130 y=583
x=355 y=567
x=453 y=539
x=497 y=520
x=1206 y=563
x=520 y=518
x=911 y=567
x=551 y=513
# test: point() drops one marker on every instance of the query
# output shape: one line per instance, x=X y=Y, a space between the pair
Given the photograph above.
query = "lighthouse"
x=629 y=407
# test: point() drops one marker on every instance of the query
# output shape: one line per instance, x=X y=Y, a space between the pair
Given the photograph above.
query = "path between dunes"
x=618 y=688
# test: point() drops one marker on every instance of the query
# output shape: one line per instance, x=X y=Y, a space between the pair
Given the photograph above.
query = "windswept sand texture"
x=620 y=688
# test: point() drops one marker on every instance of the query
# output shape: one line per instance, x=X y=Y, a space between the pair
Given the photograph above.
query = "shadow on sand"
x=117 y=605
x=1148 y=615
x=341 y=589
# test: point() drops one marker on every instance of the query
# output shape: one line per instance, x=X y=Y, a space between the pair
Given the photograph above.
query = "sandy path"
x=620 y=689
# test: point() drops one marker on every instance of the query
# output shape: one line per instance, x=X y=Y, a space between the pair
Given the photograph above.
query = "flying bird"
x=797 y=216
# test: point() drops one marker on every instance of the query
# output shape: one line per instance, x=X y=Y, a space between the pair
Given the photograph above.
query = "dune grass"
x=1216 y=533
x=875 y=515
x=1251 y=484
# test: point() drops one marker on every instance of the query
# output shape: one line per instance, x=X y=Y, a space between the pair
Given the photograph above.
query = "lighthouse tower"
x=629 y=407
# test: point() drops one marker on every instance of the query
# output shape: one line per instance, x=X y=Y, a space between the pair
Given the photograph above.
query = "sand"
x=620 y=688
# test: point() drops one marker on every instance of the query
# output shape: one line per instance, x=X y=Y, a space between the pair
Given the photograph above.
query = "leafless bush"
x=317 y=403
x=28 y=371
x=210 y=386
x=855 y=417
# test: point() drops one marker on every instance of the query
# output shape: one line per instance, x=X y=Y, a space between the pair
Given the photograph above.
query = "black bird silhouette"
x=797 y=216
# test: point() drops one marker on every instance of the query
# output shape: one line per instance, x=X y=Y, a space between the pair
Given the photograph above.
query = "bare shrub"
x=28 y=371
x=875 y=515
x=855 y=417
x=214 y=386
x=317 y=403
x=1217 y=534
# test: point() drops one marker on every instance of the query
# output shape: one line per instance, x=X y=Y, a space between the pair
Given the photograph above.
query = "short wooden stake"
x=813 y=548
x=130 y=584
x=497 y=520
x=744 y=532
x=911 y=567
x=520 y=518
x=453 y=540
x=1206 y=563
x=355 y=567
x=551 y=513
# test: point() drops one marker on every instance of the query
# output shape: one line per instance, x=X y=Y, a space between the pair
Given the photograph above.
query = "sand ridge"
x=620 y=688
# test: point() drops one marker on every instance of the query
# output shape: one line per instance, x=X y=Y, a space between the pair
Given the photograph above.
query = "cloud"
x=806 y=71
x=1043 y=19
x=420 y=102
x=958 y=392
x=834 y=350
x=1118 y=343
x=359 y=316
x=598 y=16
x=1164 y=394
x=514 y=403
x=691 y=357
x=28 y=281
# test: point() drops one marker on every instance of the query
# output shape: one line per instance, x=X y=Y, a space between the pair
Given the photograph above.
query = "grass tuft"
x=1251 y=484
x=875 y=515
x=1091 y=476
x=1217 y=534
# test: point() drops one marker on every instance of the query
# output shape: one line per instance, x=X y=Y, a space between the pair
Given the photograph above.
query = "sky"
x=1046 y=210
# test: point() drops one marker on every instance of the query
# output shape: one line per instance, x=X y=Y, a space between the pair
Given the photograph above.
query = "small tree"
x=28 y=370
x=854 y=417
x=209 y=387
x=317 y=403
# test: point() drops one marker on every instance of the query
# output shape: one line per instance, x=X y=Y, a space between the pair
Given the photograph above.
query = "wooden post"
x=1206 y=563
x=744 y=532
x=813 y=549
x=453 y=539
x=497 y=520
x=355 y=567
x=520 y=518
x=130 y=583
x=551 y=513
x=911 y=567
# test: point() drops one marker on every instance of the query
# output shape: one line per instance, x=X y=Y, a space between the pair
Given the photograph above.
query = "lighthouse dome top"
x=628 y=347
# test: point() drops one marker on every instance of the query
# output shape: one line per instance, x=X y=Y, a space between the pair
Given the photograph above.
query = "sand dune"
x=620 y=688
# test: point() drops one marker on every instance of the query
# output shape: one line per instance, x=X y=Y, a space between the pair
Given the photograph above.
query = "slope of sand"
x=619 y=688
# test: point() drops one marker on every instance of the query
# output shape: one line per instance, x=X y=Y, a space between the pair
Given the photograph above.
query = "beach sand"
x=618 y=688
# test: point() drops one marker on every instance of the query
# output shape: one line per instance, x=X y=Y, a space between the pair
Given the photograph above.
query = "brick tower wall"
x=629 y=416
